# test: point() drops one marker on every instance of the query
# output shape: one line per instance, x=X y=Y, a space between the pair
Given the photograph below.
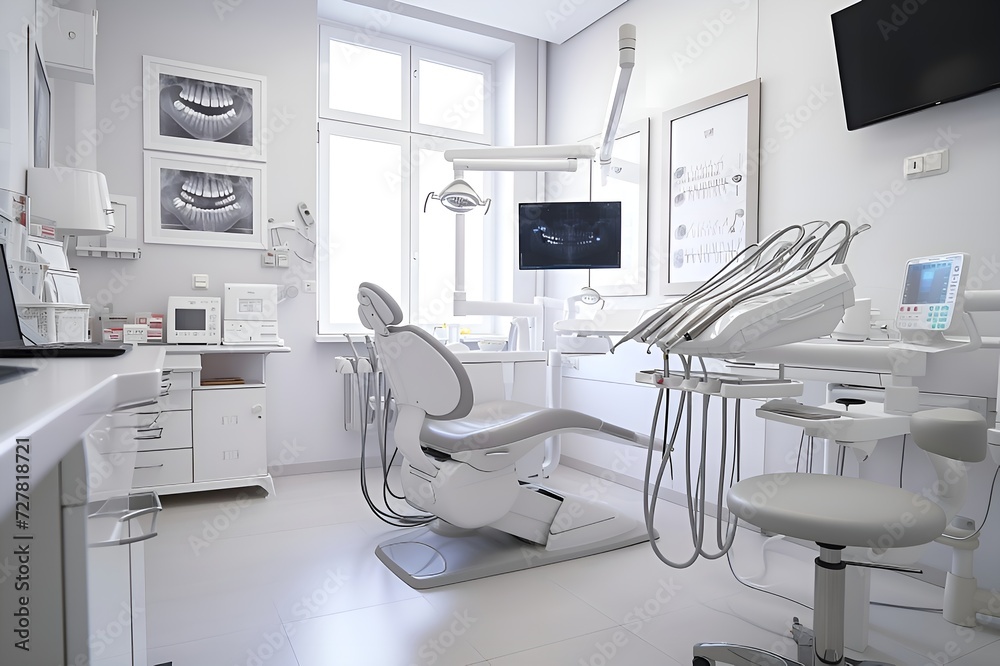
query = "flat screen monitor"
x=931 y=288
x=562 y=235
x=897 y=57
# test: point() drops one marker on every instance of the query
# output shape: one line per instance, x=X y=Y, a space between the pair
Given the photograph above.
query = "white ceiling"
x=550 y=20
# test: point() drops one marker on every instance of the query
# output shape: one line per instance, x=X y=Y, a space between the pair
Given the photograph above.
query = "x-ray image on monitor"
x=557 y=235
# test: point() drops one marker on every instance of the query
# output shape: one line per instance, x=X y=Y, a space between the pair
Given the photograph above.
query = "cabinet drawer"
x=175 y=390
x=109 y=474
x=162 y=468
x=165 y=430
x=175 y=393
x=152 y=431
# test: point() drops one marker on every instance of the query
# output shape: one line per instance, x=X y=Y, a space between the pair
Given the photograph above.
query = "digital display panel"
x=927 y=283
x=564 y=235
x=190 y=319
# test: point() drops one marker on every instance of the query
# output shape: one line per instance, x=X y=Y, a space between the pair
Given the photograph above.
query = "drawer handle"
x=154 y=509
x=152 y=423
x=148 y=466
x=164 y=390
x=155 y=433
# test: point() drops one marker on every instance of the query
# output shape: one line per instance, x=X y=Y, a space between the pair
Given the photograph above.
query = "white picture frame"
x=202 y=110
x=628 y=182
x=203 y=201
x=710 y=192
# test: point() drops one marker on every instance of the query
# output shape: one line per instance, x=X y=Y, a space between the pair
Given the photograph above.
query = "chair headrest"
x=377 y=310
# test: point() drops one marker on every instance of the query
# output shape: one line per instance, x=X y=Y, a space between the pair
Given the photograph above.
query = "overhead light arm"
x=465 y=164
x=623 y=74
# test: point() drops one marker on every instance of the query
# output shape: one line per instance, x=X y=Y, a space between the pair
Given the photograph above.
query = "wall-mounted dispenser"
x=74 y=201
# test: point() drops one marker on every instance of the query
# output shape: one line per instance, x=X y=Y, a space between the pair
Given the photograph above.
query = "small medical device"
x=251 y=316
x=932 y=287
x=135 y=333
x=194 y=320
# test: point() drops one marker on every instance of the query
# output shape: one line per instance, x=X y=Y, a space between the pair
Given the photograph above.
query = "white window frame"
x=419 y=53
x=358 y=38
x=329 y=129
x=410 y=136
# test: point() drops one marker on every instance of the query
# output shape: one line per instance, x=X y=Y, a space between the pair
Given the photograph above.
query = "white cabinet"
x=208 y=429
x=44 y=425
x=230 y=433
x=69 y=44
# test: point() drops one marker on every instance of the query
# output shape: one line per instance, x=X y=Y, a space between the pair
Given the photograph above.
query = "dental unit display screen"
x=560 y=235
x=927 y=283
x=930 y=289
x=189 y=319
x=898 y=57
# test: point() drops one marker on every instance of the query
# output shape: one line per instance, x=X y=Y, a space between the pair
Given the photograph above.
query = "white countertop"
x=221 y=349
x=54 y=404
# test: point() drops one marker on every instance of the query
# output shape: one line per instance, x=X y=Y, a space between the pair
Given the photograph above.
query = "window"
x=383 y=131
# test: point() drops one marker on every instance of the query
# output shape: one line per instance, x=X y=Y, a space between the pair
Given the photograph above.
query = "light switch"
x=932 y=161
x=199 y=281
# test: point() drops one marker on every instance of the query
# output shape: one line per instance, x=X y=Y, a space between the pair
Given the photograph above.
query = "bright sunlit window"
x=455 y=96
x=384 y=128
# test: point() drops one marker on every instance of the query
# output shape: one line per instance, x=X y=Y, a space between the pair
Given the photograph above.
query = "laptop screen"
x=10 y=328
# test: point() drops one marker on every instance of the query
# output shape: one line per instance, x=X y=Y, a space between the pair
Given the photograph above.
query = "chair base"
x=710 y=654
x=423 y=558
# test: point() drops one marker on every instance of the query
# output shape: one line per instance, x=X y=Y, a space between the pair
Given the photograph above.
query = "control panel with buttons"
x=931 y=289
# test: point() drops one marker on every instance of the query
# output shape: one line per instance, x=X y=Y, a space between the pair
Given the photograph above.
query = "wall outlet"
x=268 y=260
x=309 y=286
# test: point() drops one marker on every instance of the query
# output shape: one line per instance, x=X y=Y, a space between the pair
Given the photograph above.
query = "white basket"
x=58 y=322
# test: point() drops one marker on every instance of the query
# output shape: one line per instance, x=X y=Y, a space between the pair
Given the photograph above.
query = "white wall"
x=813 y=169
x=279 y=41
x=257 y=37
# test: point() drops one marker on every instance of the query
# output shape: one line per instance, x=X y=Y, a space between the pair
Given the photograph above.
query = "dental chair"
x=458 y=465
x=838 y=512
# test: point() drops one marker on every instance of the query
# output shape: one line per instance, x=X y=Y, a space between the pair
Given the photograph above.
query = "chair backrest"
x=421 y=372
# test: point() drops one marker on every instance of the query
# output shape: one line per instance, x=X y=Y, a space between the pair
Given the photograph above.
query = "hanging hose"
x=374 y=399
x=696 y=480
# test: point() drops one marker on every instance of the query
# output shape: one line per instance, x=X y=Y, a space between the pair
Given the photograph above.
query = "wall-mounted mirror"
x=627 y=182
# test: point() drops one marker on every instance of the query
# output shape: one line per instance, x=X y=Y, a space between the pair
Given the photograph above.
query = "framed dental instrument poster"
x=202 y=110
x=203 y=201
x=710 y=192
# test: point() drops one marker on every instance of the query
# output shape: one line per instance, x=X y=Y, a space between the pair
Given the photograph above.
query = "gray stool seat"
x=836 y=510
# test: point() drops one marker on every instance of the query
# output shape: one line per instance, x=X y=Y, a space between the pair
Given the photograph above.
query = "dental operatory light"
x=458 y=197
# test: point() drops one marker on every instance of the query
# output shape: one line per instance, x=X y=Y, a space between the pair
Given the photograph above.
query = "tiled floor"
x=234 y=579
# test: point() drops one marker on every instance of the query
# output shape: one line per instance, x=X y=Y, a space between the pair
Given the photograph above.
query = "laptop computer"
x=12 y=342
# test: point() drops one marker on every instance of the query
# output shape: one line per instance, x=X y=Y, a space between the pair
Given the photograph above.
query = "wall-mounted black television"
x=900 y=56
x=560 y=235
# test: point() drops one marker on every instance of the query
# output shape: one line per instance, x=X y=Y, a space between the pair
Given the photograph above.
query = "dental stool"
x=459 y=465
x=837 y=512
